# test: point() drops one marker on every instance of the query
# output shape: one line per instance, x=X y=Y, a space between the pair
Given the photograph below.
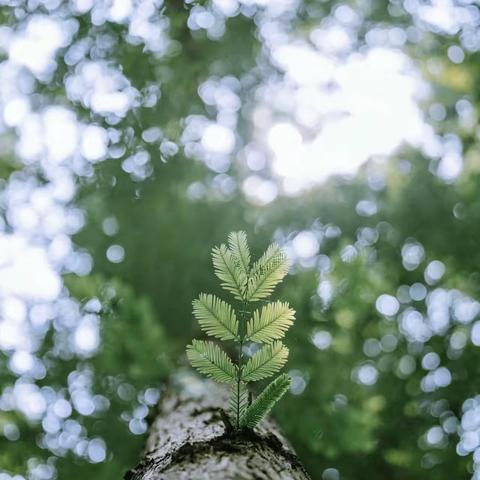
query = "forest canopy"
x=135 y=134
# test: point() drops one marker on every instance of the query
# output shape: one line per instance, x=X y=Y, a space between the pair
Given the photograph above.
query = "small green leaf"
x=237 y=242
x=238 y=402
x=267 y=273
x=216 y=317
x=270 y=323
x=265 y=401
x=265 y=362
x=211 y=360
x=227 y=269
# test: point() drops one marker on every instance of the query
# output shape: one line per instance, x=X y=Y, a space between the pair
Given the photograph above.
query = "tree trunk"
x=188 y=441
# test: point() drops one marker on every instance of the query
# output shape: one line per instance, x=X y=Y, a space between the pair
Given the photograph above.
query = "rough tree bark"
x=188 y=441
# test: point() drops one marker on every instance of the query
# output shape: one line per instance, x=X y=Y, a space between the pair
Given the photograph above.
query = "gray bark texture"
x=188 y=441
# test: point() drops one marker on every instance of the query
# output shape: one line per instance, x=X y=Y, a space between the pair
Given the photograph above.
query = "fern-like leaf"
x=265 y=362
x=216 y=317
x=232 y=265
x=228 y=270
x=237 y=242
x=267 y=273
x=270 y=323
x=238 y=402
x=211 y=360
x=265 y=401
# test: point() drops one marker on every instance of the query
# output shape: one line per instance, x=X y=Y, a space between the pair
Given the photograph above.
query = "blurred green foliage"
x=371 y=429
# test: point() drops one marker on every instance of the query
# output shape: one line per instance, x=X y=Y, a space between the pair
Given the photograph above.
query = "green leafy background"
x=360 y=405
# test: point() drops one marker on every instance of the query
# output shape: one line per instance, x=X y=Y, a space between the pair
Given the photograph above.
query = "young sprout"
x=264 y=325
